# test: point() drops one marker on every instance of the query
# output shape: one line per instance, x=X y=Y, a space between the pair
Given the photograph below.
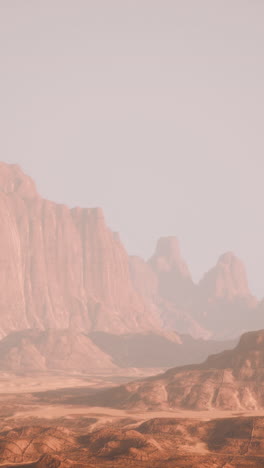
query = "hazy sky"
x=151 y=109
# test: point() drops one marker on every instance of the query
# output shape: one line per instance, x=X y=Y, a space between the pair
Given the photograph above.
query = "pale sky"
x=151 y=109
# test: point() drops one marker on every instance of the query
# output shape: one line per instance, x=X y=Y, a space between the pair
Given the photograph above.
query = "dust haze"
x=131 y=239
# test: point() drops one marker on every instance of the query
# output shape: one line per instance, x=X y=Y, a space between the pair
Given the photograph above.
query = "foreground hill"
x=231 y=380
x=159 y=442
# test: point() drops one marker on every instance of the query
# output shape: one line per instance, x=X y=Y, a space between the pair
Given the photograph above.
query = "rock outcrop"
x=159 y=442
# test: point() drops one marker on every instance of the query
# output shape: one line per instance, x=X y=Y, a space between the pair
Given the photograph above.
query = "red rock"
x=223 y=301
x=62 y=267
x=174 y=278
x=148 y=283
x=227 y=280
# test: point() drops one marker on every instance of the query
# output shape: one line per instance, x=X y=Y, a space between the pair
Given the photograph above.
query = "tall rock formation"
x=164 y=277
x=62 y=267
x=224 y=302
x=227 y=280
x=221 y=304
x=174 y=279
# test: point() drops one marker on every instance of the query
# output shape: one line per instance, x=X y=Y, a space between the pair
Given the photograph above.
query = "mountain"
x=175 y=315
x=231 y=380
x=224 y=301
x=62 y=267
x=221 y=305
x=174 y=279
x=227 y=280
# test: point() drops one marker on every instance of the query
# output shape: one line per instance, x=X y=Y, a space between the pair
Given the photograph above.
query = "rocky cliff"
x=64 y=268
x=61 y=267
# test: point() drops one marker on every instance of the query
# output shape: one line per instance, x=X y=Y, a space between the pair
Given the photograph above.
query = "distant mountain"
x=221 y=305
x=224 y=302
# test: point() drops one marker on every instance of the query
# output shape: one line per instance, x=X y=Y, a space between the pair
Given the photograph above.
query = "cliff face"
x=62 y=267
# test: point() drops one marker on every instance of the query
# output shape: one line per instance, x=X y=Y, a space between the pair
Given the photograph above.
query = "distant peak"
x=14 y=180
x=228 y=258
x=168 y=246
x=228 y=278
x=167 y=257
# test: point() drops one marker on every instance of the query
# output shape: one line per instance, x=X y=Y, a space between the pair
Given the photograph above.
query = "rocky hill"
x=231 y=380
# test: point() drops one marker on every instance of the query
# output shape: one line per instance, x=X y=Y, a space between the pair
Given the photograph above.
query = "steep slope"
x=231 y=380
x=62 y=267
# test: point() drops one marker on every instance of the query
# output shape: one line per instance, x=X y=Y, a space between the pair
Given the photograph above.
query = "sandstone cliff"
x=64 y=268
x=61 y=267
